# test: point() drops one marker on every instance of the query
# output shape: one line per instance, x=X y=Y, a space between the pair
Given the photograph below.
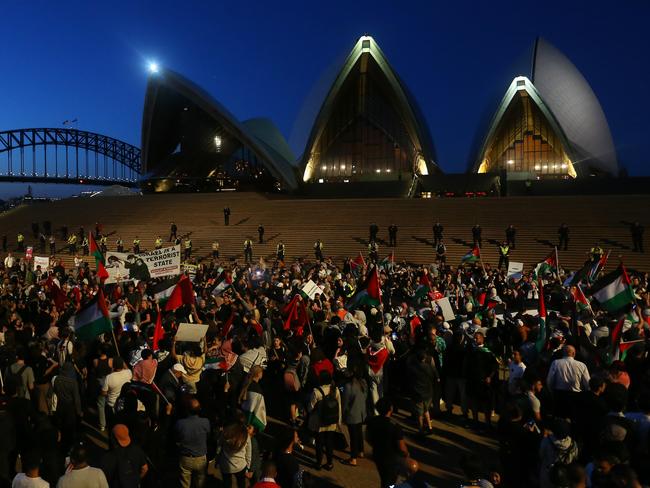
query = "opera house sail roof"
x=368 y=127
x=188 y=135
x=549 y=124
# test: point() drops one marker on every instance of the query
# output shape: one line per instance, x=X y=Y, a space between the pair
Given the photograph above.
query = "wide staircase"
x=342 y=224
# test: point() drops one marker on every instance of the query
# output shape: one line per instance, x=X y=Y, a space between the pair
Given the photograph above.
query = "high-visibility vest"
x=504 y=250
x=280 y=248
x=136 y=242
x=248 y=244
x=215 y=246
x=159 y=242
x=188 y=244
x=20 y=237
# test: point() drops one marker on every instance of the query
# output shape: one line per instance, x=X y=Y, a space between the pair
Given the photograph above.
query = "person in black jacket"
x=437 y=233
x=563 y=233
x=373 y=231
x=476 y=235
x=392 y=235
x=226 y=215
x=453 y=375
x=424 y=378
x=480 y=371
x=511 y=233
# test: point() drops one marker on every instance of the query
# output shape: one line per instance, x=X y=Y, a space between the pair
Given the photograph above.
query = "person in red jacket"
x=269 y=472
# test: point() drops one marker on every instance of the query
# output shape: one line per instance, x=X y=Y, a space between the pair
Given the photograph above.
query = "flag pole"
x=557 y=264
x=480 y=257
x=117 y=349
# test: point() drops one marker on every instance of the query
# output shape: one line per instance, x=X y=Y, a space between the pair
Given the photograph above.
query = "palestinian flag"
x=163 y=290
x=548 y=266
x=222 y=286
x=182 y=294
x=597 y=268
x=613 y=291
x=92 y=320
x=99 y=258
x=472 y=257
x=296 y=315
x=158 y=332
x=540 y=343
x=357 y=264
x=624 y=346
x=367 y=294
x=424 y=288
x=579 y=298
x=254 y=407
x=388 y=262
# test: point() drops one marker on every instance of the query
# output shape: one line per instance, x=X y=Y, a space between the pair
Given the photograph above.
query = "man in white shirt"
x=9 y=261
x=30 y=477
x=516 y=370
x=114 y=382
x=566 y=378
x=82 y=475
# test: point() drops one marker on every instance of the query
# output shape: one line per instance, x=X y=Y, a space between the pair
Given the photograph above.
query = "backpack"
x=328 y=409
x=15 y=379
x=291 y=380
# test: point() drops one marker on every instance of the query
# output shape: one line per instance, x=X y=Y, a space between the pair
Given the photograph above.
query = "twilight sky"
x=87 y=60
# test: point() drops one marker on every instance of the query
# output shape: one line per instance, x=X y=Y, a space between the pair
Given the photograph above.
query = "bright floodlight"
x=153 y=67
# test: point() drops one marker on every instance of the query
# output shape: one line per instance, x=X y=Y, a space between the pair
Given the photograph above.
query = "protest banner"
x=191 y=332
x=445 y=307
x=42 y=261
x=157 y=263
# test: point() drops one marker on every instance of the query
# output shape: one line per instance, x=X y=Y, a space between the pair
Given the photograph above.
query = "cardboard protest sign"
x=445 y=306
x=191 y=332
x=311 y=289
x=42 y=261
x=157 y=263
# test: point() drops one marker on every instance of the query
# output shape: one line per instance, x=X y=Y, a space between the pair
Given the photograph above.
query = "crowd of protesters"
x=573 y=408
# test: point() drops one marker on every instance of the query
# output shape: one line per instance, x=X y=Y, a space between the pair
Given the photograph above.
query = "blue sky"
x=87 y=60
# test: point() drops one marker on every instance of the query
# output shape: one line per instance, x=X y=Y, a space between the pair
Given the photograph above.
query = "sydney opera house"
x=369 y=130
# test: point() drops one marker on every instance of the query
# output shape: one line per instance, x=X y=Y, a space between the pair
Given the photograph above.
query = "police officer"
x=437 y=233
x=158 y=242
x=52 y=244
x=188 y=248
x=103 y=244
x=318 y=250
x=85 y=246
x=42 y=240
x=248 y=250
x=511 y=233
x=226 y=215
x=119 y=244
x=504 y=255
x=72 y=244
x=136 y=245
x=173 y=229
x=260 y=233
x=279 y=251
x=373 y=251
x=441 y=253
x=373 y=231
x=476 y=235
x=595 y=253
x=392 y=235
x=637 y=236
x=563 y=232
x=215 y=250
x=20 y=240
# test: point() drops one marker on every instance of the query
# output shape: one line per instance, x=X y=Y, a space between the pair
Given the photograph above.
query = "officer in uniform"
x=595 y=253
x=85 y=246
x=563 y=233
x=511 y=233
x=504 y=255
x=279 y=251
x=20 y=240
x=248 y=251
x=136 y=245
x=52 y=244
x=215 y=250
x=158 y=242
x=260 y=233
x=188 y=248
x=637 y=236
x=103 y=244
x=119 y=244
x=437 y=233
x=373 y=231
x=441 y=253
x=72 y=244
x=476 y=235
x=226 y=215
x=373 y=251
x=392 y=235
x=172 y=231
x=318 y=250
